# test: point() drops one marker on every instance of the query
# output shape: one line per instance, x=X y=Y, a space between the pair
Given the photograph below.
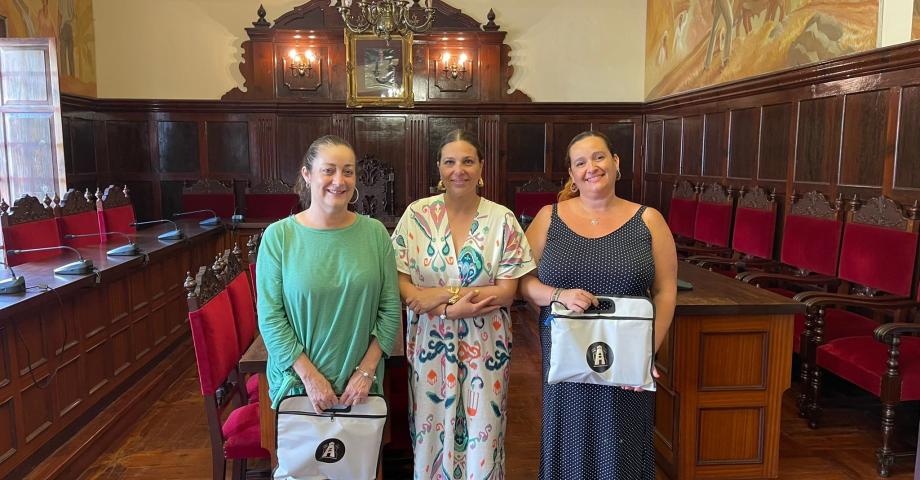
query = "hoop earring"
x=481 y=183
x=357 y=195
x=441 y=187
x=573 y=188
x=619 y=175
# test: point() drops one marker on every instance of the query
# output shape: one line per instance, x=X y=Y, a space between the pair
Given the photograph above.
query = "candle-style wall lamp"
x=302 y=68
x=453 y=70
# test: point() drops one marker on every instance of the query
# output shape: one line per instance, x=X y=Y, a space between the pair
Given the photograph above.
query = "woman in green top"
x=328 y=294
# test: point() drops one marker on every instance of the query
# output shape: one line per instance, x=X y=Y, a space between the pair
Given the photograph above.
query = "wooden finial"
x=190 y=285
x=261 y=22
x=491 y=26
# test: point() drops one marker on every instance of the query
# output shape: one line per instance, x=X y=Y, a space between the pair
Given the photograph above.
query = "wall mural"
x=70 y=22
x=916 y=28
x=697 y=43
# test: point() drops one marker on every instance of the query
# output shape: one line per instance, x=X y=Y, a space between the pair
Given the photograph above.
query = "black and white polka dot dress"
x=593 y=431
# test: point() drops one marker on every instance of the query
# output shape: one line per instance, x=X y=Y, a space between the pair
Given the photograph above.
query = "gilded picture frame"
x=379 y=72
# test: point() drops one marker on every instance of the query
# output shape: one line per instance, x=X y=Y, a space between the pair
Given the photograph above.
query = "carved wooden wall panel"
x=817 y=144
x=128 y=146
x=178 y=146
x=907 y=165
x=228 y=148
x=742 y=149
x=715 y=144
x=384 y=138
x=692 y=159
x=775 y=142
x=653 y=136
x=670 y=157
x=865 y=126
x=526 y=146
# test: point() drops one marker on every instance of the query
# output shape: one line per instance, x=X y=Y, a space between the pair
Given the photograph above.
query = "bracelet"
x=444 y=315
x=556 y=292
x=365 y=374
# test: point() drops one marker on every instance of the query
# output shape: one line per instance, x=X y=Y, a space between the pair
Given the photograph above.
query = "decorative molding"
x=715 y=193
x=75 y=202
x=758 y=199
x=880 y=211
x=684 y=189
x=814 y=204
x=25 y=209
x=376 y=182
x=113 y=197
x=207 y=285
x=206 y=185
x=271 y=186
x=252 y=247
x=233 y=266
x=539 y=184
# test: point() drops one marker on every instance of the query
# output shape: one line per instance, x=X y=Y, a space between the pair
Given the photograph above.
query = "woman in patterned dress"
x=458 y=343
x=593 y=242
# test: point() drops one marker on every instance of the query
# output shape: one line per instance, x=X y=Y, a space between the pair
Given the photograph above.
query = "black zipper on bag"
x=329 y=415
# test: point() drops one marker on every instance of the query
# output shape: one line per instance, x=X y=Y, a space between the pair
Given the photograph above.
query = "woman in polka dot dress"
x=595 y=243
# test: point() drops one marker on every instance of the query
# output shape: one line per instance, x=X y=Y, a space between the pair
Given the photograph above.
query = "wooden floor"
x=171 y=441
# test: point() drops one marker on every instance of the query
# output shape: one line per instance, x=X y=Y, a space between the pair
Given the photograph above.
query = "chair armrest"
x=889 y=302
x=755 y=278
x=709 y=251
x=885 y=332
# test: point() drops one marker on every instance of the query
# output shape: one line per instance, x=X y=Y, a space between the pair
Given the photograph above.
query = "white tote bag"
x=342 y=444
x=613 y=344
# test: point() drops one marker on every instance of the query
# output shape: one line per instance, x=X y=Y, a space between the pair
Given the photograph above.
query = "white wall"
x=577 y=51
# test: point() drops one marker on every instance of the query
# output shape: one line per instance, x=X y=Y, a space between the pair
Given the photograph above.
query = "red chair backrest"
x=244 y=310
x=215 y=341
x=206 y=194
x=30 y=224
x=879 y=247
x=755 y=224
x=271 y=205
x=530 y=203
x=811 y=235
x=713 y=222
x=682 y=209
x=252 y=279
x=116 y=214
x=79 y=217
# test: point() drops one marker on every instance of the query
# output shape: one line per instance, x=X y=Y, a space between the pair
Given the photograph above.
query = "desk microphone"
x=208 y=222
x=14 y=285
x=83 y=266
x=175 y=234
x=128 y=250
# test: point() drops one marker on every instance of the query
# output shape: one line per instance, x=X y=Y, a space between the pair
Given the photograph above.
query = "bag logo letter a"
x=330 y=451
x=599 y=357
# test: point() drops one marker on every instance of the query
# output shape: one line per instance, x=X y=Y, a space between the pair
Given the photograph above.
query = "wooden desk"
x=116 y=321
x=724 y=367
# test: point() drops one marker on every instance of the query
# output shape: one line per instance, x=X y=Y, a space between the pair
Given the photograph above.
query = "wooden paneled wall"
x=842 y=127
x=157 y=147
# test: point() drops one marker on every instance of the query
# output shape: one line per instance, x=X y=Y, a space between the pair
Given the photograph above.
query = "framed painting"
x=379 y=71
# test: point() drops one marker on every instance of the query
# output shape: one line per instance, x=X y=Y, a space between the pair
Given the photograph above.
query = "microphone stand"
x=14 y=285
x=208 y=222
x=129 y=250
x=175 y=234
x=83 y=266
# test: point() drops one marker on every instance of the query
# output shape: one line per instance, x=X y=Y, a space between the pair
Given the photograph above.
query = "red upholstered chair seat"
x=252 y=388
x=244 y=310
x=877 y=257
x=223 y=204
x=241 y=431
x=80 y=224
x=713 y=223
x=811 y=243
x=753 y=232
x=862 y=361
x=271 y=205
x=682 y=216
x=37 y=234
x=838 y=323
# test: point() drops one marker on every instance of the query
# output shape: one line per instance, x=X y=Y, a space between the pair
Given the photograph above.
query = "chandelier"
x=386 y=18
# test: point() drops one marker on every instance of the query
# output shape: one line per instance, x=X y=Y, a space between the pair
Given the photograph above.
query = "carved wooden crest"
x=231 y=264
x=205 y=287
x=684 y=189
x=206 y=185
x=252 y=247
x=26 y=209
x=539 y=184
x=757 y=198
x=113 y=197
x=375 y=187
x=880 y=211
x=271 y=186
x=75 y=202
x=814 y=204
x=715 y=193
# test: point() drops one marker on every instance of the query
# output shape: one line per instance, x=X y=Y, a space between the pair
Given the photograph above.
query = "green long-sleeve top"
x=325 y=293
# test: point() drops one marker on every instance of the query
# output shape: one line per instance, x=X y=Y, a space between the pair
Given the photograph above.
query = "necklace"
x=595 y=221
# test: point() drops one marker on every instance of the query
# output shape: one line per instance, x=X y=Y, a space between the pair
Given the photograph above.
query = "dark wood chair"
x=229 y=268
x=29 y=224
x=682 y=211
x=375 y=184
x=206 y=194
x=712 y=223
x=530 y=197
x=233 y=424
x=272 y=199
x=77 y=216
x=877 y=268
x=252 y=250
x=752 y=235
x=116 y=214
